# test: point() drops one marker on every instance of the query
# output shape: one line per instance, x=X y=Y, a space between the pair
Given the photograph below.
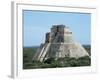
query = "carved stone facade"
x=59 y=43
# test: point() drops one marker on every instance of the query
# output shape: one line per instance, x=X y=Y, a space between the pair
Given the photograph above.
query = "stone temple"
x=59 y=43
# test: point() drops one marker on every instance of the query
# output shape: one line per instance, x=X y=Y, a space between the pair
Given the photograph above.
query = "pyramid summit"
x=59 y=43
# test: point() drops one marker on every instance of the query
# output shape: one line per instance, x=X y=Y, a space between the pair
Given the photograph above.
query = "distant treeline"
x=88 y=48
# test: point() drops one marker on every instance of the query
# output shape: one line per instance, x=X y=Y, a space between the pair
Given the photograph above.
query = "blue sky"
x=37 y=23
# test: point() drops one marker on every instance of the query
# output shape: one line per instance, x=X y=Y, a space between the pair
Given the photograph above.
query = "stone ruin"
x=59 y=43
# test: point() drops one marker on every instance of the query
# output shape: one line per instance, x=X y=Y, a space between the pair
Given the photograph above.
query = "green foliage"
x=28 y=54
x=83 y=61
x=49 y=60
x=61 y=62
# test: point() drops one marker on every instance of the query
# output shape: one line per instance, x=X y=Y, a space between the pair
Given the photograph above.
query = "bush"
x=52 y=62
x=49 y=60
x=84 y=61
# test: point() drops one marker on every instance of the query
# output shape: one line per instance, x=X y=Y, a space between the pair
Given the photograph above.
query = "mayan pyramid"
x=59 y=43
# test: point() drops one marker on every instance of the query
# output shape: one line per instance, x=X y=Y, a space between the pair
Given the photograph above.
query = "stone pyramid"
x=59 y=43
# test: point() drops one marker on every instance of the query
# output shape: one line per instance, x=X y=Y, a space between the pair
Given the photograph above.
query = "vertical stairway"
x=44 y=51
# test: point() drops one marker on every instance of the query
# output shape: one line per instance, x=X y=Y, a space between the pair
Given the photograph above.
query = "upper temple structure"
x=59 y=43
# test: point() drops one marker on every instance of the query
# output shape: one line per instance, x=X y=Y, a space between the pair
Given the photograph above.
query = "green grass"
x=28 y=53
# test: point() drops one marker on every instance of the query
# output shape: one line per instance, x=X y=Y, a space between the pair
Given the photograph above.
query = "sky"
x=37 y=23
